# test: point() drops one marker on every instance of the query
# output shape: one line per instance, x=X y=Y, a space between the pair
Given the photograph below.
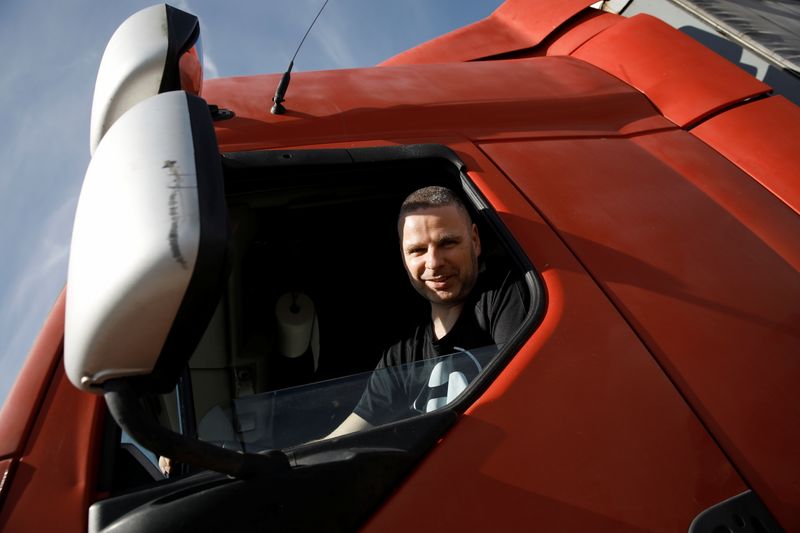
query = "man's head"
x=440 y=245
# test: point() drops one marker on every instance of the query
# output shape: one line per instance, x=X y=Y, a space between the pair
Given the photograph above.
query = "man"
x=440 y=246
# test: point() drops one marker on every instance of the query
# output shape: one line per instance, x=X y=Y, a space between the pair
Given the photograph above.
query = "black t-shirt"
x=406 y=379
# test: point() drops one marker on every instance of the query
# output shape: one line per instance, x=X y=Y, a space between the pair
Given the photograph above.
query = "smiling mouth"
x=439 y=282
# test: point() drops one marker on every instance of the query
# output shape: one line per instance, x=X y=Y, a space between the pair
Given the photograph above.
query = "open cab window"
x=317 y=292
x=318 y=230
x=244 y=308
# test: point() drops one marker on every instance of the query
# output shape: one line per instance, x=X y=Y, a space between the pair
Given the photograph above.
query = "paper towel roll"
x=296 y=317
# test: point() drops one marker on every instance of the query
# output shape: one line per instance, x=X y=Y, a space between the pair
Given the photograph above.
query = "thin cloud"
x=209 y=67
x=335 y=45
x=50 y=251
x=30 y=299
x=183 y=5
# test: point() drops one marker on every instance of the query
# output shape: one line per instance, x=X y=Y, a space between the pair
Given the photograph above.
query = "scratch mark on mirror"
x=174 y=215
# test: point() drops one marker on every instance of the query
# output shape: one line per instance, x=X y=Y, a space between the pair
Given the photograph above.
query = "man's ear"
x=476 y=240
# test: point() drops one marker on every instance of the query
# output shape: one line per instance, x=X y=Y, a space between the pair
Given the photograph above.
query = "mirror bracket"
x=126 y=408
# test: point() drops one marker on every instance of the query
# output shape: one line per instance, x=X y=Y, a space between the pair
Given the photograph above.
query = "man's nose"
x=433 y=259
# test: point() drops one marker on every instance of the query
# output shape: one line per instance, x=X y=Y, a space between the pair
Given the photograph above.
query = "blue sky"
x=52 y=51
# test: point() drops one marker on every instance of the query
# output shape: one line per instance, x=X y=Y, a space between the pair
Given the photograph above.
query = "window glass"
x=318 y=294
x=295 y=415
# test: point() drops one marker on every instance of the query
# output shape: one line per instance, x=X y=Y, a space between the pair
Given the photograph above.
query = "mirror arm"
x=125 y=406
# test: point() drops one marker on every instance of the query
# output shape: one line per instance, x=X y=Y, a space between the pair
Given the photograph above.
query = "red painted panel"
x=703 y=262
x=51 y=428
x=763 y=139
x=573 y=35
x=550 y=96
x=515 y=25
x=22 y=405
x=685 y=80
x=581 y=432
x=54 y=481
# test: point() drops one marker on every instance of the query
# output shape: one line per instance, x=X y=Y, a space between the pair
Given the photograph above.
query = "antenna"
x=280 y=92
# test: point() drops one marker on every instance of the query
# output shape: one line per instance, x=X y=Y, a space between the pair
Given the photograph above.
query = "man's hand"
x=165 y=464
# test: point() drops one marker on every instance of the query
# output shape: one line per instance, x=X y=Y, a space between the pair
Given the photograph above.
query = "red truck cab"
x=607 y=162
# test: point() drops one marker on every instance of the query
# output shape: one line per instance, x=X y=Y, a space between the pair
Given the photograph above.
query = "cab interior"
x=324 y=228
x=323 y=225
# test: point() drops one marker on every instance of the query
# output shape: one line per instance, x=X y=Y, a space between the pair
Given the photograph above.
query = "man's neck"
x=444 y=318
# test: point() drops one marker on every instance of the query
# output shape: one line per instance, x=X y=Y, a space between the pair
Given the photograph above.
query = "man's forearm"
x=351 y=424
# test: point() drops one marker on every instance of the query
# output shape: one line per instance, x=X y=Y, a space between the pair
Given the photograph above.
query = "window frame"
x=384 y=454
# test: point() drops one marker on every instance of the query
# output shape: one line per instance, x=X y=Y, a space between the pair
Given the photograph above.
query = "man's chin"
x=444 y=298
x=447 y=297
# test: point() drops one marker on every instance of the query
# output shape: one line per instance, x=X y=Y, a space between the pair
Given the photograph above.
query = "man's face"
x=440 y=252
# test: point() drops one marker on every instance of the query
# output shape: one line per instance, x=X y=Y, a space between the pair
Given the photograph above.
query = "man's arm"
x=351 y=424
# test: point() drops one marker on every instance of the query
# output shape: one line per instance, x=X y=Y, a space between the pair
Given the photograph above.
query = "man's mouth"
x=437 y=282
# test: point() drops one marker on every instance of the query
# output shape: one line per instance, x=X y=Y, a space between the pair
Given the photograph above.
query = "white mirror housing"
x=149 y=246
x=155 y=50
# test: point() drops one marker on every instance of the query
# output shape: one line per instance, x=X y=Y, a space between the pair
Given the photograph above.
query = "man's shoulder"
x=497 y=279
x=501 y=302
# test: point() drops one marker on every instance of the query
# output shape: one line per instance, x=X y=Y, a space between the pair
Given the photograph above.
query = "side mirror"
x=149 y=247
x=155 y=50
x=148 y=262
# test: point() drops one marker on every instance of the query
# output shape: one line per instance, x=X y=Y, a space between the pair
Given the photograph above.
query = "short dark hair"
x=429 y=198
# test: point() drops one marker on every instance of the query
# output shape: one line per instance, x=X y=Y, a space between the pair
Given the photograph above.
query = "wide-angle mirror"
x=155 y=50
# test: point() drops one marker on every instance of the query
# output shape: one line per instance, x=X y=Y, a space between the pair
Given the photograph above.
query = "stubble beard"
x=450 y=299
